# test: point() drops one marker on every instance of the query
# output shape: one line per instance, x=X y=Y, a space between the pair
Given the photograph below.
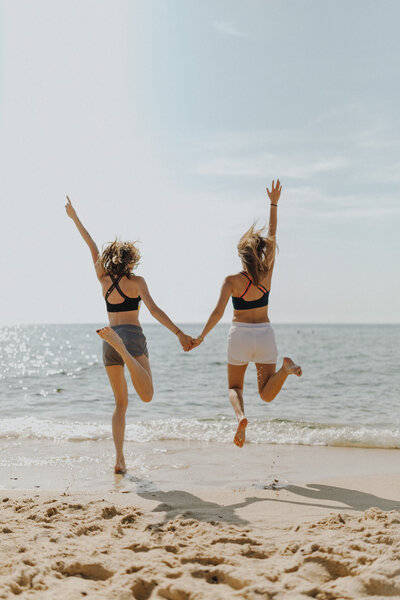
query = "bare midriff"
x=129 y=317
x=252 y=315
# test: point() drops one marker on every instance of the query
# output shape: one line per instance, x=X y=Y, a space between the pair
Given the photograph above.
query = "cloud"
x=228 y=28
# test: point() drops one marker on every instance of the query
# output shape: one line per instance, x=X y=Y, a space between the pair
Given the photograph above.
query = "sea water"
x=56 y=402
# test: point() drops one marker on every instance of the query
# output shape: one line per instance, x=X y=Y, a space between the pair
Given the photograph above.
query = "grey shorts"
x=134 y=340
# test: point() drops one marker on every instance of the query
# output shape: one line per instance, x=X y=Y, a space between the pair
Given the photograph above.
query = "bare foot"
x=120 y=467
x=291 y=368
x=110 y=336
x=240 y=435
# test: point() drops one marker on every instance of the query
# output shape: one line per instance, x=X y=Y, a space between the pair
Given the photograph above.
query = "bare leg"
x=235 y=382
x=140 y=375
x=120 y=389
x=270 y=382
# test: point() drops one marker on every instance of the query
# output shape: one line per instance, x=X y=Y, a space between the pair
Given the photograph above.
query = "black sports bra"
x=127 y=304
x=239 y=303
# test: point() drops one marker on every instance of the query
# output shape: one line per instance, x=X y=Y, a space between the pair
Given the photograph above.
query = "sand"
x=326 y=540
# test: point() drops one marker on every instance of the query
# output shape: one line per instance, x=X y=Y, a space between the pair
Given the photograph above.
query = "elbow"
x=155 y=312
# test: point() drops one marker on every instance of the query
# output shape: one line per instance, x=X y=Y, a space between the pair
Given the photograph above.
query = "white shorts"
x=251 y=342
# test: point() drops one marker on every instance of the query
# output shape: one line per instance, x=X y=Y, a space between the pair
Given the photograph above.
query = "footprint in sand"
x=109 y=512
x=94 y=571
x=142 y=589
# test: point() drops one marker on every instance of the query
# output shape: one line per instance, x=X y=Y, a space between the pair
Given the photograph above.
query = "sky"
x=165 y=122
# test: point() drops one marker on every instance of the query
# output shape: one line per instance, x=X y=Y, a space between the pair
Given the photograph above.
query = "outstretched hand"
x=275 y=192
x=70 y=209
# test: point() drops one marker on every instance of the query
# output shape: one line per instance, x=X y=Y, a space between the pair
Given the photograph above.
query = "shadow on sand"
x=180 y=503
x=351 y=499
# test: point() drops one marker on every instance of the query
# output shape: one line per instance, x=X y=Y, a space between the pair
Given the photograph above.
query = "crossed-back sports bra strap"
x=128 y=303
x=250 y=283
x=239 y=303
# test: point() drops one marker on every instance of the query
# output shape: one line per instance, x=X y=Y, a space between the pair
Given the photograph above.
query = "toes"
x=239 y=442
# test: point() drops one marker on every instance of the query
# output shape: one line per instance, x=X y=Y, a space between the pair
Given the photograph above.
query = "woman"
x=251 y=337
x=124 y=342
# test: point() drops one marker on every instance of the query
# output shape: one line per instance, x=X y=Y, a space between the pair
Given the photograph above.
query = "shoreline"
x=169 y=464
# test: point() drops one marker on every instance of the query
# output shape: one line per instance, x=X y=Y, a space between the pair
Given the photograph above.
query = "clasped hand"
x=188 y=342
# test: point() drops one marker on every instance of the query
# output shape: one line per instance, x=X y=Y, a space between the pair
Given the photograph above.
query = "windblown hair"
x=257 y=253
x=119 y=258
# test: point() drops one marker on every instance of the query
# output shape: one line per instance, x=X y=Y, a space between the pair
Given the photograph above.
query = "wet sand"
x=172 y=464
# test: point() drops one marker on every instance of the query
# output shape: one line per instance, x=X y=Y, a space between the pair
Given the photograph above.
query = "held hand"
x=196 y=342
x=186 y=341
x=70 y=209
x=275 y=192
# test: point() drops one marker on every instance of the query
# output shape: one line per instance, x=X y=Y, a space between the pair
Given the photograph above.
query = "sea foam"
x=260 y=431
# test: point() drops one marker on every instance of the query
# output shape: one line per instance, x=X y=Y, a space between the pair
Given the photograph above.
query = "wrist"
x=272 y=204
x=178 y=332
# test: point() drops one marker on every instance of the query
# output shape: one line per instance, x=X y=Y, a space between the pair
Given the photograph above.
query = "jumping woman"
x=124 y=342
x=251 y=337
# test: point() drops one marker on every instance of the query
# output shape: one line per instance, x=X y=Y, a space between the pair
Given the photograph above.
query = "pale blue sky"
x=165 y=121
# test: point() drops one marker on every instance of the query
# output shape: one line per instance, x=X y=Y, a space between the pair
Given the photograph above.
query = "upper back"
x=128 y=285
x=240 y=283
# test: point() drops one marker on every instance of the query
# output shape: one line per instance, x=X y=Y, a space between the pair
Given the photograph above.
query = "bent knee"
x=148 y=396
x=265 y=397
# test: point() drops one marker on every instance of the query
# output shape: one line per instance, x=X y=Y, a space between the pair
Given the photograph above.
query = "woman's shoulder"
x=136 y=280
x=238 y=275
x=232 y=279
x=234 y=282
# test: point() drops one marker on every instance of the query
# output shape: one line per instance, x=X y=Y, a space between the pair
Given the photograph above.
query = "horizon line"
x=315 y=323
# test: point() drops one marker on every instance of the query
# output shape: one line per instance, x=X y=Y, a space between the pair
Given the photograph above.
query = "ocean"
x=56 y=402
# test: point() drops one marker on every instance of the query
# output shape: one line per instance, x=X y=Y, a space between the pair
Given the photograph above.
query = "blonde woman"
x=124 y=342
x=251 y=337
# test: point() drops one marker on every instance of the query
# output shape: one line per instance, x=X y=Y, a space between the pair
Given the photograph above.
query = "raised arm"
x=218 y=312
x=71 y=212
x=185 y=340
x=274 y=196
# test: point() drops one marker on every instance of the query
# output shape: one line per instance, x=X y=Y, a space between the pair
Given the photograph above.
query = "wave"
x=260 y=431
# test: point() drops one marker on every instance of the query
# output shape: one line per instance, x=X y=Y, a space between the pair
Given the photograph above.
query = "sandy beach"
x=327 y=539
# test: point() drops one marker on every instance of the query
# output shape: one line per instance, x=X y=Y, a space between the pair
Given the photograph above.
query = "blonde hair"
x=257 y=252
x=119 y=258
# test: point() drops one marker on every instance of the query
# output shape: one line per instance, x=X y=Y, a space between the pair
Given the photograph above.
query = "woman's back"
x=122 y=298
x=250 y=301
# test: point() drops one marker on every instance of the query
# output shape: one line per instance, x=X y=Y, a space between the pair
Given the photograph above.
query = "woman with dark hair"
x=251 y=337
x=124 y=342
